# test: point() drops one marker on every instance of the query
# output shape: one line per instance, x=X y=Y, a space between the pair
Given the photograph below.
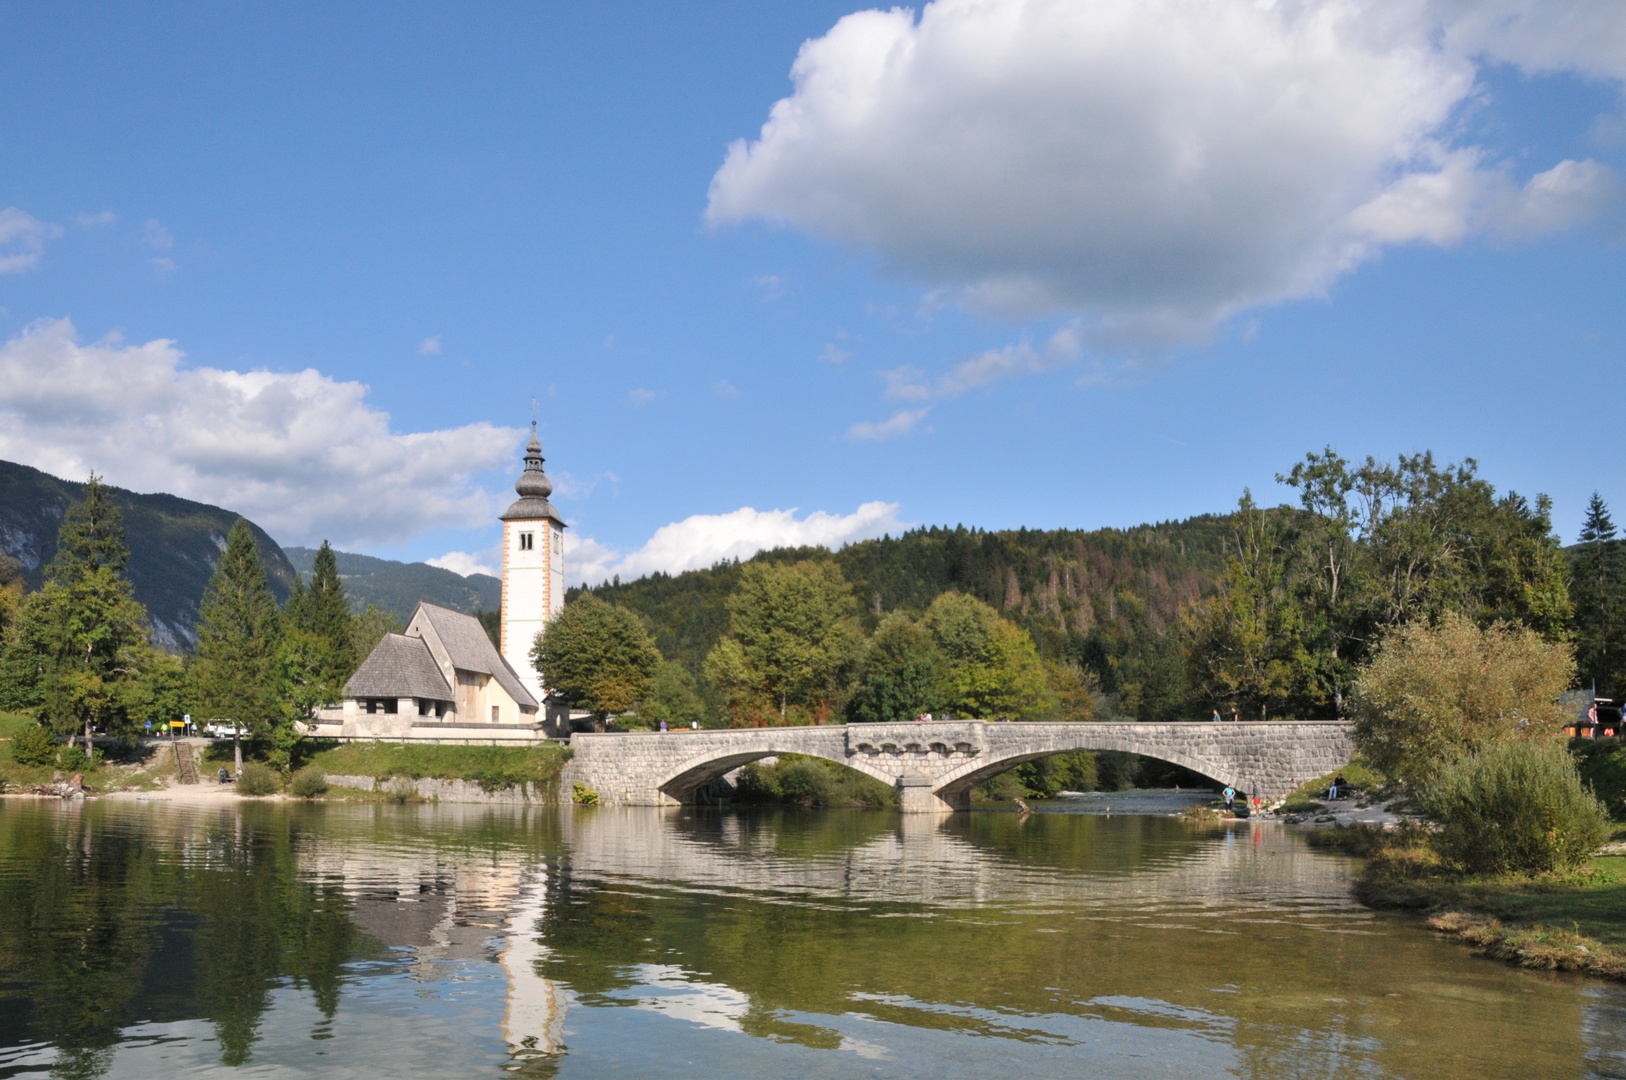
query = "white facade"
x=533 y=589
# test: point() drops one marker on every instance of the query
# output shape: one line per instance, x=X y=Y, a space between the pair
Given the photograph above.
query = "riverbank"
x=1570 y=922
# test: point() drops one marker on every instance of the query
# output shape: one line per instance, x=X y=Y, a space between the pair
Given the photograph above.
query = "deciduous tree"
x=597 y=656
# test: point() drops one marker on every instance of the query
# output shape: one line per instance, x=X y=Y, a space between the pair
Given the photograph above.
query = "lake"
x=160 y=940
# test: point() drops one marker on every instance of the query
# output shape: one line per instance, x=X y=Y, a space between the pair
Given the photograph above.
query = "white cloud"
x=640 y=396
x=899 y=423
x=154 y=235
x=1155 y=166
x=725 y=389
x=91 y=221
x=164 y=265
x=704 y=539
x=299 y=453
x=22 y=240
x=834 y=354
x=461 y=562
x=429 y=346
x=909 y=383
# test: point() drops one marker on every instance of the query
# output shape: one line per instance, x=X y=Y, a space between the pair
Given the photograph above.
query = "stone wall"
x=451 y=791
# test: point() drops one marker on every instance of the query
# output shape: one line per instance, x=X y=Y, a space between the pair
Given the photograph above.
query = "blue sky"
x=1002 y=264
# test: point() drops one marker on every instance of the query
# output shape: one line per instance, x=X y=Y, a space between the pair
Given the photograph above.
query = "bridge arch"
x=955 y=786
x=702 y=769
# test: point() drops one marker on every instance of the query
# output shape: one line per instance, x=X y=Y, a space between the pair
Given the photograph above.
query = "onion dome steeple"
x=533 y=487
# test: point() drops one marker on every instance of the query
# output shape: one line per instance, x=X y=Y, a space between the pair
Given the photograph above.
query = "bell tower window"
x=526 y=540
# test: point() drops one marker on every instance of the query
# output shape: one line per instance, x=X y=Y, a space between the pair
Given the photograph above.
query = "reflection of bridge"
x=936 y=765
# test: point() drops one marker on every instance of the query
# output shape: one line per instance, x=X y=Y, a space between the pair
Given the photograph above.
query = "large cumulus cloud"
x=301 y=454
x=1157 y=165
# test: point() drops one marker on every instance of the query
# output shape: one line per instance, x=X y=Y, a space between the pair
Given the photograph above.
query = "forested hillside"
x=1106 y=599
x=174 y=544
x=396 y=587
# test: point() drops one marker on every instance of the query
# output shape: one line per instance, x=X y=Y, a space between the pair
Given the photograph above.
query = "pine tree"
x=91 y=536
x=239 y=631
x=326 y=615
x=74 y=652
x=1600 y=595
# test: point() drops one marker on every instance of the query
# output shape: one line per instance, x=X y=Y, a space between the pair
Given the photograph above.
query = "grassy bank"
x=1568 y=922
x=492 y=767
x=119 y=767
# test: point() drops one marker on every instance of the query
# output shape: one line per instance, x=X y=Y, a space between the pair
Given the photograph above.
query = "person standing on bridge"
x=1233 y=714
x=1216 y=718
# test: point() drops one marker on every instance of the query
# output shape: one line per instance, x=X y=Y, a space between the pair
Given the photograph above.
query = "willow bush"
x=257 y=779
x=1514 y=807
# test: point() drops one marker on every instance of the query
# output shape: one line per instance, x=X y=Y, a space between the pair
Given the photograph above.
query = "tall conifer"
x=1600 y=596
x=239 y=630
x=326 y=615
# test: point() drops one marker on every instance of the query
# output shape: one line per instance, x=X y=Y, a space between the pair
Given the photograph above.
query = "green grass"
x=492 y=767
x=1574 y=921
x=1357 y=774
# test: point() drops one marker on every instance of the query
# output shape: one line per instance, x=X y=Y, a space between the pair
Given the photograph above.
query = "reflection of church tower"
x=533 y=566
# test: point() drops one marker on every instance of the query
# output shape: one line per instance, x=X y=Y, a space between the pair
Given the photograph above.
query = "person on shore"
x=1340 y=786
x=1230 y=793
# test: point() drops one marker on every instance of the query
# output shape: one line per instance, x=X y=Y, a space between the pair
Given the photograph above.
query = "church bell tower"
x=533 y=566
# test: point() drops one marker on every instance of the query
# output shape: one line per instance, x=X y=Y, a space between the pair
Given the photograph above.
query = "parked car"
x=222 y=729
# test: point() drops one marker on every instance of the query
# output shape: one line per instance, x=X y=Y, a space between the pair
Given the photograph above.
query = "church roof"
x=533 y=488
x=469 y=649
x=399 y=667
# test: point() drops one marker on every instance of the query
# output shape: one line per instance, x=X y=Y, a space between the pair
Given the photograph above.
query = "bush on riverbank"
x=1515 y=807
x=308 y=782
x=257 y=779
x=805 y=781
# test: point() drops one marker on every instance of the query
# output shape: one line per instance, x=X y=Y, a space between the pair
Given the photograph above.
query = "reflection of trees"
x=83 y=902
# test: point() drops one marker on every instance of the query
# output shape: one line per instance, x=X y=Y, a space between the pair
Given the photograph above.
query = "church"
x=442 y=680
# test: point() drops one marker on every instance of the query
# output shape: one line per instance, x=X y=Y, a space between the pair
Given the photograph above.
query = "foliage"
x=596 y=656
x=990 y=667
x=368 y=628
x=34 y=745
x=795 y=780
x=308 y=782
x=792 y=635
x=673 y=696
x=1070 y=693
x=1516 y=807
x=899 y=674
x=582 y=795
x=320 y=613
x=163 y=691
x=239 y=633
x=12 y=588
x=1246 y=644
x=1602 y=764
x=73 y=759
x=74 y=648
x=1433 y=693
x=257 y=779
x=1059 y=772
x=299 y=686
x=494 y=768
x=1599 y=590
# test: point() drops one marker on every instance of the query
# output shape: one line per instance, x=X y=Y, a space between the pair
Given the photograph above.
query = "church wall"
x=529 y=595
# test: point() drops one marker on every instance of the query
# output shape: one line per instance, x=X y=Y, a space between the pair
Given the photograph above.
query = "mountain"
x=1104 y=599
x=396 y=587
x=174 y=544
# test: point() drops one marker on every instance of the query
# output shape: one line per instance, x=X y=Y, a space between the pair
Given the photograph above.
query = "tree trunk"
x=90 y=747
x=237 y=748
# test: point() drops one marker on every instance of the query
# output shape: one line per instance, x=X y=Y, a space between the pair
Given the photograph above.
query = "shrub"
x=1602 y=763
x=582 y=795
x=257 y=779
x=308 y=782
x=1434 y=693
x=34 y=745
x=402 y=789
x=1514 y=807
x=73 y=760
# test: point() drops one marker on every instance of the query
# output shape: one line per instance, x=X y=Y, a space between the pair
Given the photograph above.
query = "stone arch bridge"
x=935 y=765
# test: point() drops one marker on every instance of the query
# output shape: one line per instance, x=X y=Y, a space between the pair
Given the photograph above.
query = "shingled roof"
x=399 y=667
x=470 y=649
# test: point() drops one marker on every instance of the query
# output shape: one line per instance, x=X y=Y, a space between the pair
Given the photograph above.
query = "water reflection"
x=138 y=940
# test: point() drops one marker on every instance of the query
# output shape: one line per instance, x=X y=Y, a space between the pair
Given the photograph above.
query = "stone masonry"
x=935 y=765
